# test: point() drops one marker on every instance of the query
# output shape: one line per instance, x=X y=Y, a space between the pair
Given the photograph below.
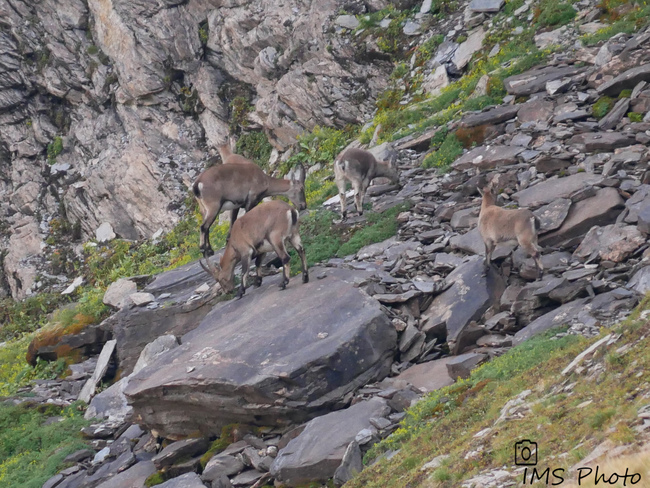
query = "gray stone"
x=643 y=220
x=467 y=49
x=429 y=376
x=462 y=366
x=488 y=6
x=73 y=286
x=640 y=281
x=535 y=111
x=426 y=6
x=411 y=28
x=110 y=403
x=602 y=141
x=469 y=296
x=154 y=349
x=247 y=478
x=118 y=291
x=222 y=464
x=552 y=189
x=601 y=209
x=351 y=465
x=135 y=476
x=78 y=456
x=187 y=480
x=487 y=157
x=105 y=233
x=179 y=450
x=550 y=38
x=637 y=202
x=347 y=21
x=239 y=368
x=613 y=242
x=435 y=81
x=534 y=81
x=140 y=299
x=316 y=454
x=552 y=216
x=88 y=390
x=625 y=81
x=615 y=115
x=496 y=115
x=558 y=317
x=551 y=164
x=53 y=481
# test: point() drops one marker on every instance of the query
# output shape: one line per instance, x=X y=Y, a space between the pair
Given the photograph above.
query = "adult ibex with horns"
x=235 y=186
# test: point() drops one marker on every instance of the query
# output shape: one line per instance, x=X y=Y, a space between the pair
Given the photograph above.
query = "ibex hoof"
x=283 y=286
x=305 y=278
x=208 y=252
x=258 y=282
x=240 y=294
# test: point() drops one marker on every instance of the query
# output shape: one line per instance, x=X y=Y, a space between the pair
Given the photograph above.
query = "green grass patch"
x=553 y=13
x=442 y=157
x=32 y=452
x=602 y=107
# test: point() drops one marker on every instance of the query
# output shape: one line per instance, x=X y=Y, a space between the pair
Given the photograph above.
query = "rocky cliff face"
x=108 y=108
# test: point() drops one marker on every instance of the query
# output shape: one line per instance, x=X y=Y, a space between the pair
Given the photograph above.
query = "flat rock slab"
x=558 y=317
x=536 y=111
x=487 y=6
x=467 y=49
x=625 y=81
x=613 y=242
x=134 y=476
x=429 y=376
x=187 y=480
x=317 y=452
x=640 y=282
x=492 y=116
x=462 y=366
x=602 y=141
x=551 y=189
x=181 y=312
x=487 y=157
x=552 y=216
x=534 y=81
x=260 y=361
x=468 y=297
x=601 y=209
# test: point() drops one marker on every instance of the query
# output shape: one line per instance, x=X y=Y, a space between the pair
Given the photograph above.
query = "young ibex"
x=228 y=156
x=497 y=224
x=235 y=186
x=360 y=168
x=267 y=227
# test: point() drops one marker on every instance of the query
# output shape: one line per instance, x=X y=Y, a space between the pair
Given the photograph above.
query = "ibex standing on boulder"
x=360 y=168
x=233 y=186
x=497 y=224
x=265 y=228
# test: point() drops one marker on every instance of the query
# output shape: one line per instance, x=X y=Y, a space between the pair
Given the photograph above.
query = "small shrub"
x=553 y=13
x=602 y=107
x=389 y=99
x=400 y=70
x=625 y=94
x=157 y=478
x=204 y=33
x=92 y=49
x=495 y=87
x=54 y=148
x=239 y=109
x=460 y=39
x=635 y=117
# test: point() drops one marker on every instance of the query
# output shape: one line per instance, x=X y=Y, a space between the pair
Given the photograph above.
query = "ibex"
x=497 y=224
x=267 y=227
x=360 y=168
x=235 y=186
x=228 y=156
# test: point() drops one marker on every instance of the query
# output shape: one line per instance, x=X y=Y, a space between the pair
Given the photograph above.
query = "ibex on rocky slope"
x=235 y=186
x=497 y=224
x=360 y=168
x=265 y=228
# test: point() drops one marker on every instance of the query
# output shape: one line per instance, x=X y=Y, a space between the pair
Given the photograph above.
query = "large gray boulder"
x=613 y=242
x=471 y=293
x=180 y=312
x=318 y=451
x=272 y=358
x=487 y=157
x=555 y=188
x=601 y=209
x=534 y=81
x=556 y=318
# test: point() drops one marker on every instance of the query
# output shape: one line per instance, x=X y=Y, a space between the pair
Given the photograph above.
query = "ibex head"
x=297 y=191
x=215 y=270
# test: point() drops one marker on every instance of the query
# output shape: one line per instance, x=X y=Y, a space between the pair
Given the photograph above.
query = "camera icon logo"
x=526 y=453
